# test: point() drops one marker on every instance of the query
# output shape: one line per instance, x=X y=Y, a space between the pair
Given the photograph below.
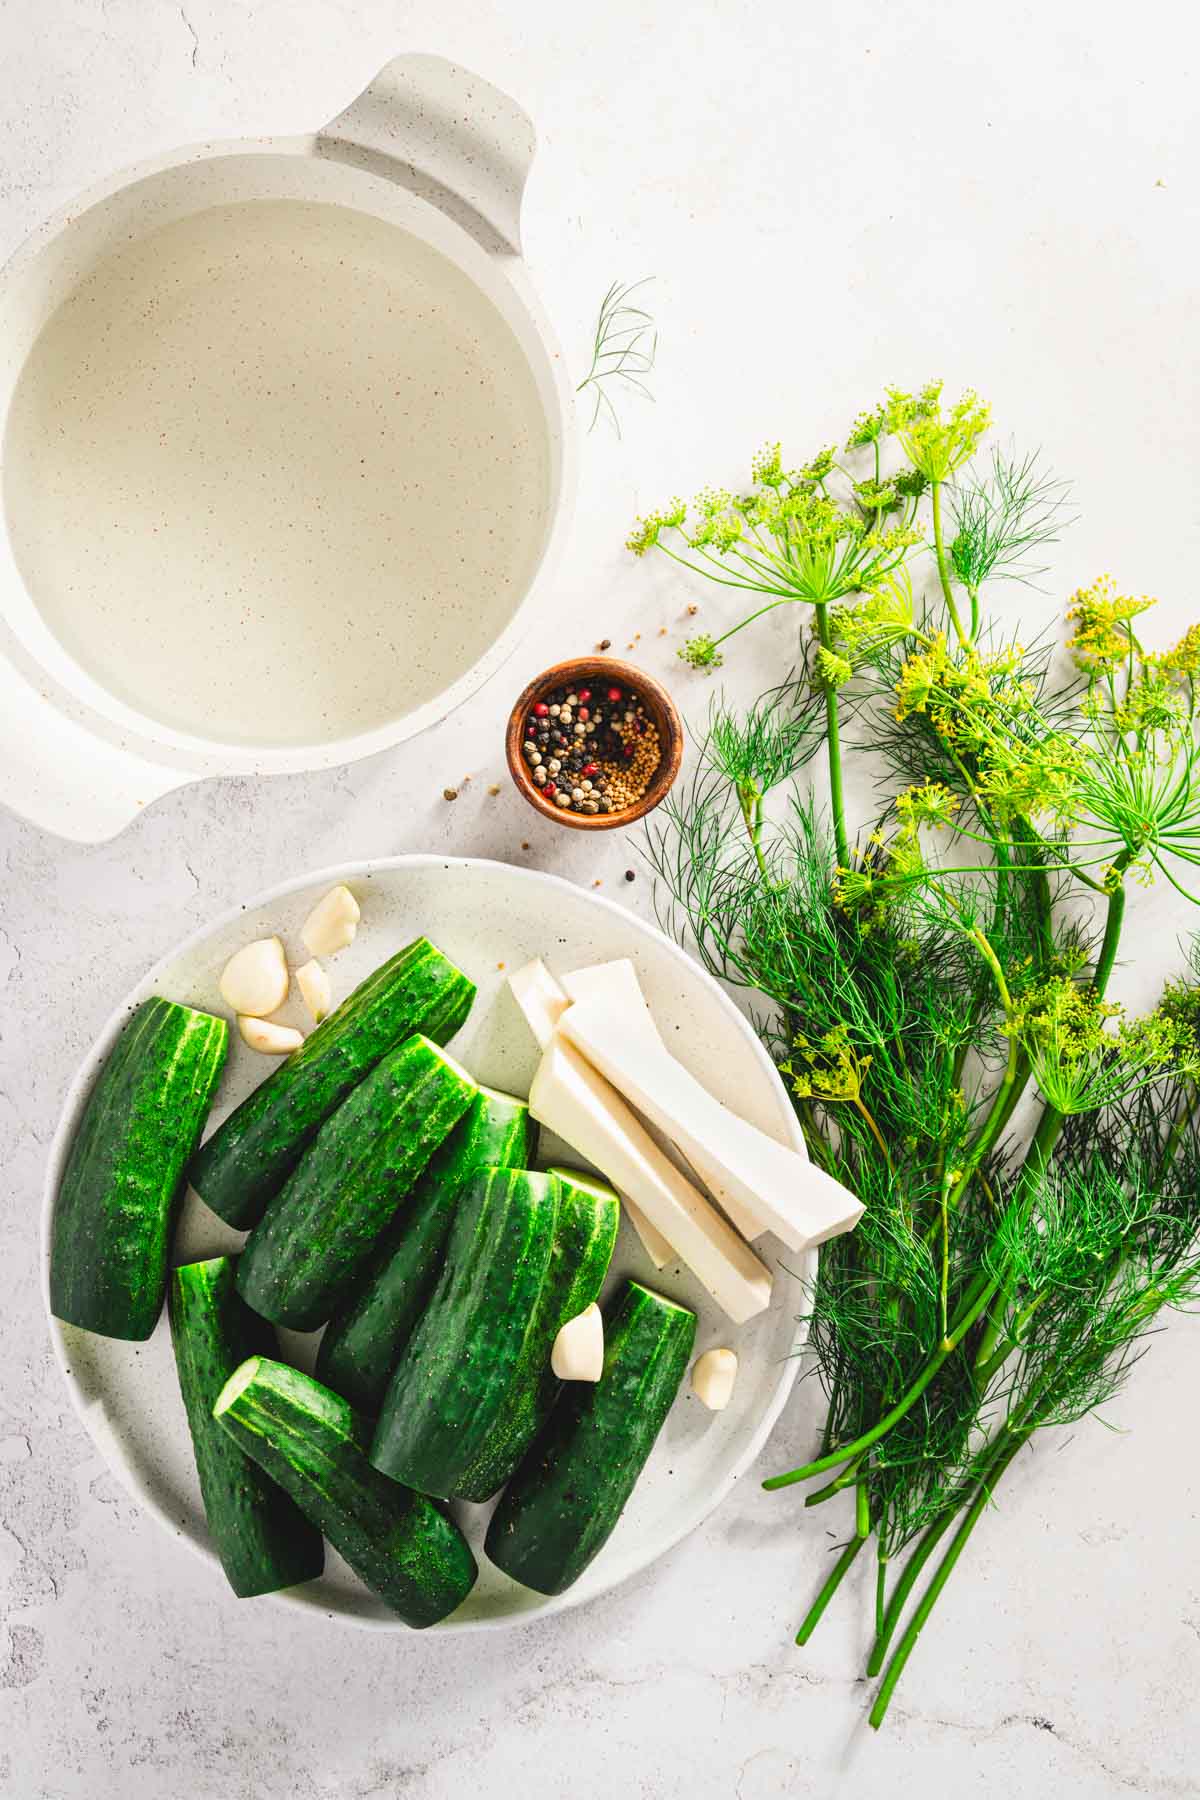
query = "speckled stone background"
x=830 y=198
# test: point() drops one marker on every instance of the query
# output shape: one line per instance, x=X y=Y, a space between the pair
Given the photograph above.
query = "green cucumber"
x=321 y=1232
x=362 y=1343
x=124 y=1175
x=588 y=1217
x=250 y=1156
x=310 y=1441
x=565 y=1499
x=262 y=1538
x=457 y=1370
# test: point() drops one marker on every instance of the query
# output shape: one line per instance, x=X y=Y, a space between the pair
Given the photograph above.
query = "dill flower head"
x=647 y=530
x=1086 y=1054
x=927 y=803
x=701 y=652
x=938 y=443
x=1103 y=625
x=828 y=1069
x=766 y=468
x=835 y=670
x=1184 y=659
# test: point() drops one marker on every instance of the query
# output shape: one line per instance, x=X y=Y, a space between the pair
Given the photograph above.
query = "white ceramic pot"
x=288 y=452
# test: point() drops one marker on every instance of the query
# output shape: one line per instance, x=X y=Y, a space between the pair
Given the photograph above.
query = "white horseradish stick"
x=578 y=1104
x=542 y=1002
x=615 y=984
x=800 y=1203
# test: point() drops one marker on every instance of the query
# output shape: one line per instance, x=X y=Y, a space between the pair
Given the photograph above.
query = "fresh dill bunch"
x=624 y=348
x=927 y=972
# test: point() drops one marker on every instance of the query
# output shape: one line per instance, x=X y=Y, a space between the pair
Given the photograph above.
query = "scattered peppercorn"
x=629 y=875
x=449 y=793
x=493 y=791
x=604 y=644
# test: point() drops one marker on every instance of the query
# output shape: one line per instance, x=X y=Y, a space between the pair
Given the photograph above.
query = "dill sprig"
x=624 y=346
x=922 y=974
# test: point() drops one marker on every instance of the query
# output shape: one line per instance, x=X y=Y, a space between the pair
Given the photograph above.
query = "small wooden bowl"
x=594 y=670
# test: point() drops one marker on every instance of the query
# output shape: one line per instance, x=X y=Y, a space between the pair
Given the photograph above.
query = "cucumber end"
x=238 y=1382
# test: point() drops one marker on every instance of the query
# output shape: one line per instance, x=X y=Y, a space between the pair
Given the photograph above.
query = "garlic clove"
x=255 y=979
x=315 y=990
x=713 y=1378
x=332 y=923
x=578 y=1353
x=271 y=1039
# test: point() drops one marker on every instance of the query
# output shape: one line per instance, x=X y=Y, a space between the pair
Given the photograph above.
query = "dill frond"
x=624 y=346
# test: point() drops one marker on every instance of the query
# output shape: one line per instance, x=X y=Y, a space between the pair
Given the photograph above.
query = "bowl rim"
x=363 y=869
x=503 y=281
x=668 y=722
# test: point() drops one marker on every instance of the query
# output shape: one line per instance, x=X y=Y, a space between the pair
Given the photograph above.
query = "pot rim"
x=501 y=279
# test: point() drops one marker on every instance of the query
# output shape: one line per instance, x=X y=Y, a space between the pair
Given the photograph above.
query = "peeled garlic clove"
x=255 y=979
x=331 y=924
x=315 y=990
x=271 y=1039
x=713 y=1378
x=578 y=1353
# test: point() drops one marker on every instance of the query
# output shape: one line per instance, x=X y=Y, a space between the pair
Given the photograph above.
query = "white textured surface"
x=831 y=199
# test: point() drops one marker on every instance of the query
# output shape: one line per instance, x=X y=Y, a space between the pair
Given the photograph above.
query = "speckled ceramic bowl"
x=287 y=452
x=490 y=918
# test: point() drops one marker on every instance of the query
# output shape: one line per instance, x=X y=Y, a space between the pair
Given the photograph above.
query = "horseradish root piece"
x=616 y=985
x=798 y=1201
x=540 y=999
x=574 y=1101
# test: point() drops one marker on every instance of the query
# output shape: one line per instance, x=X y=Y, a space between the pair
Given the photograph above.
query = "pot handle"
x=447 y=136
x=65 y=779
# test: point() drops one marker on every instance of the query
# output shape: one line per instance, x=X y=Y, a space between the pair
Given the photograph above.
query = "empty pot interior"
x=277 y=470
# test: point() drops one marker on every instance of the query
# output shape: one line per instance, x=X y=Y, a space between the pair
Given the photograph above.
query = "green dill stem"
x=972 y=1305
x=885 y=1628
x=881 y=1567
x=833 y=744
x=750 y=801
x=875 y=1132
x=935 y=494
x=990 y=1352
x=813 y=1616
x=1034 y=1167
x=1114 y=919
x=1002 y=1457
x=847 y=1478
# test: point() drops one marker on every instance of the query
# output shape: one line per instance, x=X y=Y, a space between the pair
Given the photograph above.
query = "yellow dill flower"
x=1103 y=625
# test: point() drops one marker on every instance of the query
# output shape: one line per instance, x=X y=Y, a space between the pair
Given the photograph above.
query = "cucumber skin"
x=363 y=1342
x=263 y=1540
x=124 y=1177
x=251 y=1154
x=564 y=1502
x=456 y=1372
x=583 y=1246
x=317 y=1238
x=311 y=1442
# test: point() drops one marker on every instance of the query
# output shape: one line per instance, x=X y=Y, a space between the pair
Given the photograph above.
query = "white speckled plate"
x=489 y=918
